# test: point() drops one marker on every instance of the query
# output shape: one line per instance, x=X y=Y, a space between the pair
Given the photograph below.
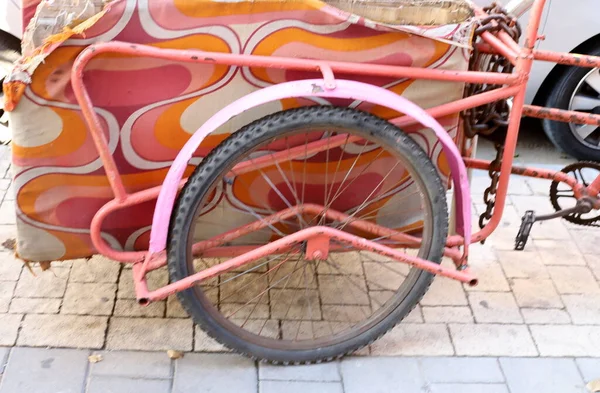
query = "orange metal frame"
x=513 y=85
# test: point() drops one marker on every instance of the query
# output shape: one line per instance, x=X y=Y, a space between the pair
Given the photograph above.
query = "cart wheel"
x=287 y=308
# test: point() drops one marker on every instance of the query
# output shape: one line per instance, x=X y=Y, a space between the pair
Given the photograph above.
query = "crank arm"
x=560 y=213
x=530 y=218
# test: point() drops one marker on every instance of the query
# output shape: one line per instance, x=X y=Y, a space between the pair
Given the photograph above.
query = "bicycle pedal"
x=526 y=225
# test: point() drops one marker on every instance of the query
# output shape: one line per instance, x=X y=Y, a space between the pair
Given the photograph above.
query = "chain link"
x=487 y=119
x=489 y=196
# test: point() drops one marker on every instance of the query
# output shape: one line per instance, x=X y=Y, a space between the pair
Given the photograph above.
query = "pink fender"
x=311 y=88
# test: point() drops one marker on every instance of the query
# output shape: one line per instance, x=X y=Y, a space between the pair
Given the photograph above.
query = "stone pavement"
x=34 y=370
x=535 y=317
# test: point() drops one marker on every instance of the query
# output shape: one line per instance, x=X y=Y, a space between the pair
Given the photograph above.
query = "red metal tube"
x=241 y=60
x=571 y=59
x=528 y=172
x=96 y=225
x=593 y=189
x=463 y=104
x=286 y=243
x=87 y=109
x=561 y=115
x=500 y=47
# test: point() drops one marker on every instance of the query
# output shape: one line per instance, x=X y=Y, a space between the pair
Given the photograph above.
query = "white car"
x=569 y=26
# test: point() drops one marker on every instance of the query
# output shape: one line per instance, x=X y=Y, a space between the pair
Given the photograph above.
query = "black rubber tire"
x=559 y=133
x=10 y=50
x=252 y=135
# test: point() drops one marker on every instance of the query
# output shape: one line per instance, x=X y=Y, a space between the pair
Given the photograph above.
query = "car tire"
x=567 y=93
x=10 y=51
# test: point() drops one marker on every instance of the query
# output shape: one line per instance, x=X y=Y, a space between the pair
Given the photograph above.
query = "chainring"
x=576 y=170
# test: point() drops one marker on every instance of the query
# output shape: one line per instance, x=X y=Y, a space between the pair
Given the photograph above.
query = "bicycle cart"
x=312 y=230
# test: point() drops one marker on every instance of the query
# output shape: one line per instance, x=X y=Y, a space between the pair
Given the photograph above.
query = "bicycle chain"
x=494 y=173
x=487 y=119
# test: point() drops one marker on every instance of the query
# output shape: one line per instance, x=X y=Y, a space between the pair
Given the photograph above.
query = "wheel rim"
x=286 y=302
x=586 y=98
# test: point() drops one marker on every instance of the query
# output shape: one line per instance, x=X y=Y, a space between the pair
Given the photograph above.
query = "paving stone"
x=295 y=275
x=490 y=275
x=204 y=343
x=339 y=290
x=546 y=316
x=550 y=230
x=414 y=339
x=50 y=283
x=535 y=293
x=520 y=264
x=555 y=252
x=386 y=275
x=461 y=370
x=7 y=288
x=542 y=375
x=26 y=305
x=10 y=267
x=243 y=311
x=567 y=340
x=204 y=373
x=248 y=288
x=133 y=364
x=40 y=370
x=444 y=314
x=89 y=298
x=444 y=292
x=492 y=340
x=518 y=185
x=4 y=351
x=120 y=384
x=539 y=186
x=174 y=308
x=299 y=387
x=7 y=232
x=586 y=240
x=499 y=307
x=5 y=184
x=96 y=269
x=156 y=278
x=590 y=368
x=9 y=326
x=57 y=330
x=347 y=263
x=574 y=279
x=131 y=308
x=7 y=213
x=10 y=193
x=297 y=304
x=584 y=309
x=325 y=372
x=467 y=388
x=381 y=375
x=593 y=262
x=150 y=334
x=415 y=316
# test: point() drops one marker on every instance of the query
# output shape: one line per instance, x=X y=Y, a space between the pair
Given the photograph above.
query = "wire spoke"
x=370 y=194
